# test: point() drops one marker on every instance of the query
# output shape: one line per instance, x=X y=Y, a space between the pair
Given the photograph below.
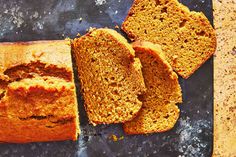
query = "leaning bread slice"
x=110 y=76
x=187 y=38
x=159 y=112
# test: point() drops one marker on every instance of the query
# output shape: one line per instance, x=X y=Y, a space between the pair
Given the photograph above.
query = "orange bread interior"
x=110 y=76
x=187 y=38
x=159 y=112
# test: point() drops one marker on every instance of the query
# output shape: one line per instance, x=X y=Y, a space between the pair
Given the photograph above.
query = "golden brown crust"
x=159 y=112
x=13 y=54
x=38 y=101
x=187 y=38
x=110 y=76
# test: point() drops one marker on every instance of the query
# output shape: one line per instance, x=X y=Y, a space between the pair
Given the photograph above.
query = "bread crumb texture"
x=159 y=112
x=110 y=76
x=187 y=38
x=37 y=92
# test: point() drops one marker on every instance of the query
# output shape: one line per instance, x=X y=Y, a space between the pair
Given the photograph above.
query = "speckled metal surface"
x=23 y=20
x=225 y=79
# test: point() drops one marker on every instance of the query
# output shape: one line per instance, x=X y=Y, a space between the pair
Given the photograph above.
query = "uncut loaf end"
x=37 y=92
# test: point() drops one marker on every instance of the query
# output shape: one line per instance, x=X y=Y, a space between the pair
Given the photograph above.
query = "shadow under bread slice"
x=110 y=76
x=159 y=112
x=38 y=100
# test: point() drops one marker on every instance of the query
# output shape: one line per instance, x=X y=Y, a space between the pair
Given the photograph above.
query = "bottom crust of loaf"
x=18 y=130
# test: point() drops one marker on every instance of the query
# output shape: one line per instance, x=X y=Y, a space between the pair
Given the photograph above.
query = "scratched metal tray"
x=24 y=20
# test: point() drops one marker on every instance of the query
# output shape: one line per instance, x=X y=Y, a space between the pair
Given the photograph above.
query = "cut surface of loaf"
x=110 y=76
x=38 y=100
x=159 y=112
x=187 y=38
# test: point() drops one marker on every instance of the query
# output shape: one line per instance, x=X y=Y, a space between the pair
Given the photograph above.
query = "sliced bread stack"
x=115 y=87
x=187 y=38
x=113 y=82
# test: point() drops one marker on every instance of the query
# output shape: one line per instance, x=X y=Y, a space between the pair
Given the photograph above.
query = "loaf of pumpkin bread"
x=187 y=38
x=159 y=112
x=110 y=76
x=37 y=92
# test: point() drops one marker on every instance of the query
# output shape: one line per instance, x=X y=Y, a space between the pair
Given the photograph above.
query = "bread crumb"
x=115 y=138
x=121 y=138
x=117 y=27
x=78 y=35
x=68 y=41
x=90 y=29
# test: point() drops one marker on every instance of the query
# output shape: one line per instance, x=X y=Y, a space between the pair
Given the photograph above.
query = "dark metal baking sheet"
x=24 y=20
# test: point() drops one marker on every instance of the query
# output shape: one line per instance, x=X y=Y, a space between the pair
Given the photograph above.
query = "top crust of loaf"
x=187 y=38
x=110 y=76
x=17 y=53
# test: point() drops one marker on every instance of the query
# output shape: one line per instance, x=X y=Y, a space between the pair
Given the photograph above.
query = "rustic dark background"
x=24 y=20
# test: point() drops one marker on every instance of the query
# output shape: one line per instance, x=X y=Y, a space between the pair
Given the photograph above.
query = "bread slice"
x=38 y=100
x=187 y=38
x=159 y=112
x=110 y=76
